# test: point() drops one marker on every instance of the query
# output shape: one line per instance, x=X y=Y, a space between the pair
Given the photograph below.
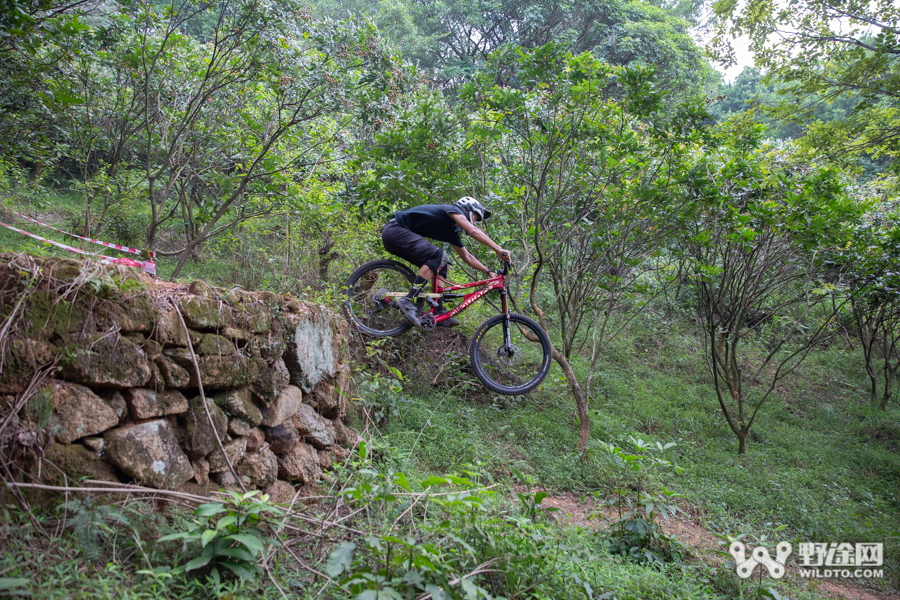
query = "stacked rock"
x=124 y=386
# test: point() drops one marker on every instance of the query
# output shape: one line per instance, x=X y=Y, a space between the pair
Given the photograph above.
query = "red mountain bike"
x=510 y=352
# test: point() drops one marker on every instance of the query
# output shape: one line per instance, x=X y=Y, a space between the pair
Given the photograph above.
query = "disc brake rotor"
x=509 y=355
x=379 y=298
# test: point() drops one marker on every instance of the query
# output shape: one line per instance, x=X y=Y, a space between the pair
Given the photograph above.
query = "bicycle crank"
x=427 y=321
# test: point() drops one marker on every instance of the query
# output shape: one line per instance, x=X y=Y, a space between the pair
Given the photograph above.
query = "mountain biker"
x=405 y=234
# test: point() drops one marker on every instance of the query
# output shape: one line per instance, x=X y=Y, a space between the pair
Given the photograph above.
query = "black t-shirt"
x=433 y=221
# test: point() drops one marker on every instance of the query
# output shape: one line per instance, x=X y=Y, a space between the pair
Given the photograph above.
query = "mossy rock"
x=227 y=372
x=213 y=344
x=204 y=314
x=23 y=358
x=238 y=403
x=49 y=316
x=149 y=453
x=201 y=438
x=76 y=462
x=106 y=361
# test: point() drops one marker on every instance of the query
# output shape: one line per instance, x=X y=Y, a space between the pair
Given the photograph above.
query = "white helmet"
x=471 y=205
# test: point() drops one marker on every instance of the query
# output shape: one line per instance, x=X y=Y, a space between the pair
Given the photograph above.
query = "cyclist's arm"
x=470 y=259
x=480 y=237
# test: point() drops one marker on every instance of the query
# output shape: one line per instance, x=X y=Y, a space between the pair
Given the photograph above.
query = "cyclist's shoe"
x=408 y=307
x=451 y=322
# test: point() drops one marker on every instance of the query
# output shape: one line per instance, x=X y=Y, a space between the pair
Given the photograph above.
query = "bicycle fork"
x=504 y=305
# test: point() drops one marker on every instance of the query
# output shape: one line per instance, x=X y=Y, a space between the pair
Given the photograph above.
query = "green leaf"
x=9 y=583
x=251 y=542
x=208 y=510
x=238 y=553
x=400 y=479
x=197 y=563
x=434 y=480
x=340 y=559
x=436 y=592
x=207 y=537
x=469 y=589
x=239 y=570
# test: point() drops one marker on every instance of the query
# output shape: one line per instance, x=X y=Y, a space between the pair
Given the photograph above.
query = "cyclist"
x=405 y=234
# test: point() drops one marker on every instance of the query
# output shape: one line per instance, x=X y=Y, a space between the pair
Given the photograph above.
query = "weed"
x=233 y=535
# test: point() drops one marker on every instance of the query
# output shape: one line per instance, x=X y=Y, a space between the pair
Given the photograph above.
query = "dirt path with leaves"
x=702 y=545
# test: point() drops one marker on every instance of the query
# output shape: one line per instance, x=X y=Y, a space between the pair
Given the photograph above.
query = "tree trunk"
x=584 y=422
x=326 y=255
x=742 y=442
x=889 y=376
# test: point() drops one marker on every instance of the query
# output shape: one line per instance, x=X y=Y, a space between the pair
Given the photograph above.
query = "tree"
x=27 y=27
x=874 y=257
x=824 y=51
x=581 y=155
x=758 y=235
x=453 y=40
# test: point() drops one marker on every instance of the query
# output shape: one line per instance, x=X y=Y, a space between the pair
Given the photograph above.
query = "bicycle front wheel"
x=366 y=304
x=513 y=363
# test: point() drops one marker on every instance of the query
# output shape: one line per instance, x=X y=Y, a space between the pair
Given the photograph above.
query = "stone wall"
x=97 y=379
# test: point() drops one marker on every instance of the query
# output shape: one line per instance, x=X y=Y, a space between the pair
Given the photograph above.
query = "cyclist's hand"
x=491 y=275
x=504 y=255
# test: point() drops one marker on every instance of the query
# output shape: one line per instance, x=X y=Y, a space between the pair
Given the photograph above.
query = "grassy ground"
x=820 y=461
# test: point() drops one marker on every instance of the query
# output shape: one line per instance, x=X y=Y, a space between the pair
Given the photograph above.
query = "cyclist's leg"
x=442 y=273
x=414 y=248
x=409 y=246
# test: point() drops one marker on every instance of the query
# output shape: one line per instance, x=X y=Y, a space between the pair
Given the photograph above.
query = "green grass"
x=820 y=460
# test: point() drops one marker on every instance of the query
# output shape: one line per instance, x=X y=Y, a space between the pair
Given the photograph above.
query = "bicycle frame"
x=488 y=285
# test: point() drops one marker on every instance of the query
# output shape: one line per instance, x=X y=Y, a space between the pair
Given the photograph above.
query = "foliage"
x=451 y=41
x=635 y=532
x=233 y=535
x=825 y=51
x=452 y=547
x=873 y=256
x=95 y=524
x=757 y=236
x=582 y=153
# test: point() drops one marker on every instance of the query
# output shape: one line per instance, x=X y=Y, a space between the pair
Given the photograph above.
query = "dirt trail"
x=688 y=529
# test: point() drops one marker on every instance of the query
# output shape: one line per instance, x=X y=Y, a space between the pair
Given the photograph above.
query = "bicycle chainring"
x=427 y=321
x=509 y=355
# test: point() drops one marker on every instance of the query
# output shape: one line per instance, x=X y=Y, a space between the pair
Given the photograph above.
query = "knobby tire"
x=358 y=298
x=492 y=375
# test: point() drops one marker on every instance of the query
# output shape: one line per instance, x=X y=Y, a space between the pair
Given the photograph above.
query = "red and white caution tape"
x=152 y=255
x=148 y=266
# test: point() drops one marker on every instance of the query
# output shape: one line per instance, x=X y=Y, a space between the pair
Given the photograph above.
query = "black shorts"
x=410 y=246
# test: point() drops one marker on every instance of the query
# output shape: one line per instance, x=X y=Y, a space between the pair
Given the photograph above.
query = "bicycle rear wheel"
x=365 y=305
x=515 y=365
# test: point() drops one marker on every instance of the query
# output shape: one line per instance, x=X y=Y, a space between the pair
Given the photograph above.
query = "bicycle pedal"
x=431 y=302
